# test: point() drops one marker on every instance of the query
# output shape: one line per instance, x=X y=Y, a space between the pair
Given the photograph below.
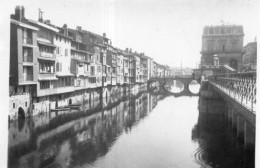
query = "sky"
x=169 y=31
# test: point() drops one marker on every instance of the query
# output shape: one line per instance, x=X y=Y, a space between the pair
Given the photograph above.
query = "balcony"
x=27 y=41
x=47 y=55
x=47 y=76
x=28 y=77
x=52 y=91
x=86 y=73
x=91 y=60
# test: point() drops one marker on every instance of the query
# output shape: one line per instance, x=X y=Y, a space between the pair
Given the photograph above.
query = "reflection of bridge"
x=160 y=87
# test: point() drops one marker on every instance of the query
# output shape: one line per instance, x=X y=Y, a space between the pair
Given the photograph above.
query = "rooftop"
x=223 y=30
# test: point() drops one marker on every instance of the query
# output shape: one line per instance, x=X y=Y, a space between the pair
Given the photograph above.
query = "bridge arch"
x=162 y=81
x=177 y=84
x=196 y=86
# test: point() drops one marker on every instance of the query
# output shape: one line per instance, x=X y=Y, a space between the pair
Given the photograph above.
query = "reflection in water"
x=174 y=86
x=141 y=131
x=217 y=143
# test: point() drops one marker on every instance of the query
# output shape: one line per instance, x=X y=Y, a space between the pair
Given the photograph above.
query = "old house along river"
x=140 y=130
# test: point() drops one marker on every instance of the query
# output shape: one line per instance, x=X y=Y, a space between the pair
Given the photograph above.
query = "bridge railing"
x=174 y=76
x=240 y=86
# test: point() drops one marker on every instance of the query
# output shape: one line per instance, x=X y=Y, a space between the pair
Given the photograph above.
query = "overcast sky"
x=169 y=31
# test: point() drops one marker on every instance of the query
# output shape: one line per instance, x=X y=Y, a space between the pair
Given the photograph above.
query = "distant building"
x=224 y=43
x=250 y=56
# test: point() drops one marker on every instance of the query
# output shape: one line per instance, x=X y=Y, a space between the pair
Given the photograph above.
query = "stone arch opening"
x=21 y=113
x=194 y=86
x=174 y=86
x=70 y=101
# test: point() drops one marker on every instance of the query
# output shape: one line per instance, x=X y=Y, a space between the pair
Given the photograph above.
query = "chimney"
x=104 y=34
x=65 y=28
x=19 y=13
x=40 y=16
x=130 y=50
x=126 y=50
x=79 y=28
x=47 y=22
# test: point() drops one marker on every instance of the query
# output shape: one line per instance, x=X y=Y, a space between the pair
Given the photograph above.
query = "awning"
x=45 y=43
x=47 y=78
x=64 y=74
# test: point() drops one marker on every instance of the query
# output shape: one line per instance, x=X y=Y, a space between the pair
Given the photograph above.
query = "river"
x=143 y=131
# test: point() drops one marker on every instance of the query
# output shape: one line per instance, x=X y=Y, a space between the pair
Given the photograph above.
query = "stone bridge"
x=160 y=87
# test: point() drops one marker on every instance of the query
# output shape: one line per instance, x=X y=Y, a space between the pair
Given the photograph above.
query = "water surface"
x=144 y=132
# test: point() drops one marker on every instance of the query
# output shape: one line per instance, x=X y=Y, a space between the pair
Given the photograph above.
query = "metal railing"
x=240 y=86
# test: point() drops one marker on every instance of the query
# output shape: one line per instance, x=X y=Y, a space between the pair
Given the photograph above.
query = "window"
x=60 y=66
x=58 y=50
x=99 y=68
x=16 y=89
x=24 y=33
x=26 y=104
x=57 y=67
x=14 y=105
x=24 y=89
x=92 y=70
x=66 y=52
x=45 y=85
x=210 y=44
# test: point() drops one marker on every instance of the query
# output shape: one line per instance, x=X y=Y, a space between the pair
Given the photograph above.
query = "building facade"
x=250 y=57
x=225 y=42
x=52 y=68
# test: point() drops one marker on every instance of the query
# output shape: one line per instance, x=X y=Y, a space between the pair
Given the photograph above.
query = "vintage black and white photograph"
x=129 y=83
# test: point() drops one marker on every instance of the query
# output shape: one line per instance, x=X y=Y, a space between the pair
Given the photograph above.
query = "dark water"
x=145 y=131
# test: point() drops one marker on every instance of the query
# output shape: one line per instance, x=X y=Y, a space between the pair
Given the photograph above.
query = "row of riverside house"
x=53 y=66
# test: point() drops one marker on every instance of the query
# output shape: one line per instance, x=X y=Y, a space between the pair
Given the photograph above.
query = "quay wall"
x=24 y=104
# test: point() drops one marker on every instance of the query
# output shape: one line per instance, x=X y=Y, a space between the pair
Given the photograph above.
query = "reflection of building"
x=226 y=42
x=80 y=138
x=77 y=140
x=249 y=56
